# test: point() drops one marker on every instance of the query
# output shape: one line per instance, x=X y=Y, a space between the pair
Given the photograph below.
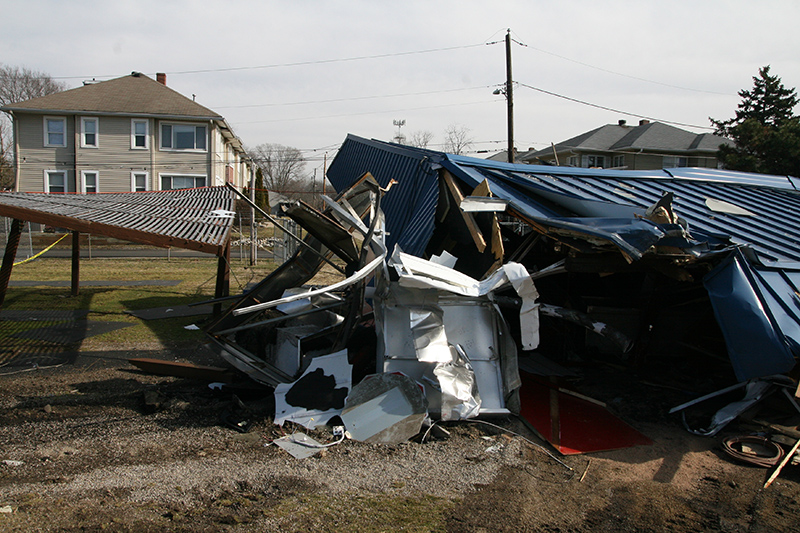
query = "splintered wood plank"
x=469 y=220
x=482 y=189
x=498 y=251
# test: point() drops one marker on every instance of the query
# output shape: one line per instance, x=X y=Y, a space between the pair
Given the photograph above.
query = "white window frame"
x=47 y=174
x=595 y=157
x=161 y=177
x=83 y=181
x=63 y=121
x=618 y=161
x=171 y=148
x=146 y=123
x=573 y=161
x=674 y=161
x=96 y=121
x=146 y=180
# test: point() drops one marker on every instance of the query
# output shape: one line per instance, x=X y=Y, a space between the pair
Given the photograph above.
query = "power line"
x=295 y=64
x=365 y=113
x=354 y=98
x=624 y=75
x=397 y=54
x=339 y=60
x=597 y=106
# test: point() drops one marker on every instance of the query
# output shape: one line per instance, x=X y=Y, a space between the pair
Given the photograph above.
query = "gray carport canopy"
x=195 y=219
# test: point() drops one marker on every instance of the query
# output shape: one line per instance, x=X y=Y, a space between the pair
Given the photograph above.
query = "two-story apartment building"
x=648 y=146
x=122 y=135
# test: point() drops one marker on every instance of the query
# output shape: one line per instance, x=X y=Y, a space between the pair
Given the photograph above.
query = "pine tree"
x=262 y=195
x=765 y=130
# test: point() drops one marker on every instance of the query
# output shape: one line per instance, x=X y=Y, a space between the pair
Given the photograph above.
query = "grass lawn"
x=197 y=280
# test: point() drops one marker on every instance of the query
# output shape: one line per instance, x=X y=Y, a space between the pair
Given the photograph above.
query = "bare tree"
x=19 y=84
x=6 y=156
x=281 y=166
x=16 y=85
x=457 y=139
x=421 y=138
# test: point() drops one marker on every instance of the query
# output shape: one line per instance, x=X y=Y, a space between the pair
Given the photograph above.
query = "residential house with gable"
x=122 y=135
x=648 y=146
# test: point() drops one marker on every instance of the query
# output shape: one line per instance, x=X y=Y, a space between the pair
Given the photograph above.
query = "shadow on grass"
x=42 y=315
x=169 y=331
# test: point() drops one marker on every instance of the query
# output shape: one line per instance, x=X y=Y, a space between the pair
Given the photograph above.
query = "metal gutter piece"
x=355 y=278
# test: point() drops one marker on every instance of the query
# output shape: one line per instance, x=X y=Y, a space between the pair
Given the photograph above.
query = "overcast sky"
x=307 y=73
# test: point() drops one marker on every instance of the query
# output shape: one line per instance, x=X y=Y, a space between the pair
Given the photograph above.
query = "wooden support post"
x=223 y=286
x=76 y=262
x=8 y=258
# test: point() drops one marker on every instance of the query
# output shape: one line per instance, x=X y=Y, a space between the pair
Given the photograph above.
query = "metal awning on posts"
x=194 y=219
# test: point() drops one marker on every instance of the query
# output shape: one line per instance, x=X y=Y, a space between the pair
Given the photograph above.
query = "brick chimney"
x=161 y=78
x=643 y=122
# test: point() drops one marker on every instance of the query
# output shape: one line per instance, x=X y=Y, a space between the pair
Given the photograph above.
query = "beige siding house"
x=127 y=134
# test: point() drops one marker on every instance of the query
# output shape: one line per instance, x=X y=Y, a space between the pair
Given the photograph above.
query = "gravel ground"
x=80 y=451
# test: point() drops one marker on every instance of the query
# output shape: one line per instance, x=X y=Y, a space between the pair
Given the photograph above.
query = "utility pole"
x=324 y=172
x=253 y=227
x=509 y=98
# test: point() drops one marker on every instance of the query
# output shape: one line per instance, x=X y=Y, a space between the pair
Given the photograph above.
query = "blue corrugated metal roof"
x=410 y=205
x=752 y=209
x=556 y=192
x=755 y=303
x=773 y=200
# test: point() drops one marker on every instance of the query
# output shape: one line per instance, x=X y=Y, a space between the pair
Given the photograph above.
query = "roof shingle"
x=135 y=94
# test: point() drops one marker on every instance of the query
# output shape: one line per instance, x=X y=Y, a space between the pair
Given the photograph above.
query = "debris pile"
x=457 y=272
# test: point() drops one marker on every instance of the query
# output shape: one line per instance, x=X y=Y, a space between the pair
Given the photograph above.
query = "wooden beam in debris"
x=12 y=242
x=498 y=250
x=183 y=370
x=472 y=226
x=784 y=462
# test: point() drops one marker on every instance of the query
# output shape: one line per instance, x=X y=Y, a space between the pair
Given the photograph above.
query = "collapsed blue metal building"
x=645 y=243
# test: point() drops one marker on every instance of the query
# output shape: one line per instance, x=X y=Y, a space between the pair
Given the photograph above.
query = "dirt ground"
x=81 y=451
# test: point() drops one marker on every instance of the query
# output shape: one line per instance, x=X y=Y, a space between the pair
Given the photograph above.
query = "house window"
x=573 y=161
x=89 y=181
x=183 y=137
x=55 y=181
x=181 y=182
x=89 y=132
x=138 y=181
x=594 y=161
x=139 y=134
x=673 y=161
x=619 y=161
x=55 y=131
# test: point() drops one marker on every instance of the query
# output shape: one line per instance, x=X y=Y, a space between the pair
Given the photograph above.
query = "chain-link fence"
x=25 y=247
x=272 y=242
